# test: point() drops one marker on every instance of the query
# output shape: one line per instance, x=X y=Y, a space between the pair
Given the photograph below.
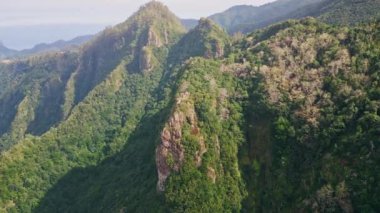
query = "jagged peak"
x=205 y=22
x=153 y=21
x=154 y=5
x=208 y=28
x=156 y=17
x=207 y=40
x=154 y=10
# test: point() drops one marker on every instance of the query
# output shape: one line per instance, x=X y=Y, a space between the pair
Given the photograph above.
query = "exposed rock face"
x=215 y=51
x=211 y=174
x=224 y=111
x=170 y=147
x=170 y=154
x=153 y=39
x=145 y=60
x=219 y=50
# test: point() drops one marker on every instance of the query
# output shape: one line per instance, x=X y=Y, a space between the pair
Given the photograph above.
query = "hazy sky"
x=32 y=12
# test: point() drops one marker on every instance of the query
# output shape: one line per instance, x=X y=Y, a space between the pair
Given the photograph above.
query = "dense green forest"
x=147 y=117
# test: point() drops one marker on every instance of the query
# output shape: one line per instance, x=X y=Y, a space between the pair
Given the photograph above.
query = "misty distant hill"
x=55 y=46
x=6 y=52
x=26 y=37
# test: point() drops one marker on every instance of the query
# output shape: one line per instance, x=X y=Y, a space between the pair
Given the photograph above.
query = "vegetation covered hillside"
x=41 y=91
x=248 y=18
x=153 y=119
x=313 y=134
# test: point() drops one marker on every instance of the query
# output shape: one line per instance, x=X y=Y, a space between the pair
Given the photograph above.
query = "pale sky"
x=33 y=12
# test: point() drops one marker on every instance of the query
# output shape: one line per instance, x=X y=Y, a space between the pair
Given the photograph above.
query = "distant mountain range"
x=58 y=45
x=244 y=18
x=43 y=47
x=248 y=18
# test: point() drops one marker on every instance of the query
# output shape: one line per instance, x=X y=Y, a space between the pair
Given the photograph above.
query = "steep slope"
x=67 y=83
x=249 y=18
x=197 y=158
x=104 y=134
x=285 y=119
x=350 y=11
x=134 y=170
x=118 y=98
x=206 y=39
x=137 y=38
x=101 y=124
x=313 y=118
x=32 y=94
x=294 y=99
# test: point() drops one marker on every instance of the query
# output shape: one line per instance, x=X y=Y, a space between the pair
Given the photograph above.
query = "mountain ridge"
x=249 y=18
x=154 y=118
x=245 y=18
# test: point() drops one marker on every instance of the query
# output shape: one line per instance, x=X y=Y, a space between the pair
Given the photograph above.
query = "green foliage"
x=321 y=159
x=285 y=119
x=39 y=81
x=63 y=80
x=115 y=118
x=205 y=40
x=351 y=12
x=192 y=189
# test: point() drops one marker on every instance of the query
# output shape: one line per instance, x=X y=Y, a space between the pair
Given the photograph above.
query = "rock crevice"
x=170 y=153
